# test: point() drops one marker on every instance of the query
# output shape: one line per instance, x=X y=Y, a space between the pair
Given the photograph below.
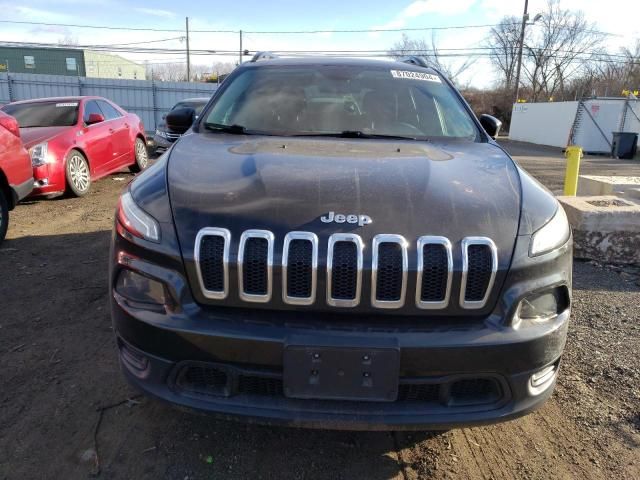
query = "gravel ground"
x=64 y=403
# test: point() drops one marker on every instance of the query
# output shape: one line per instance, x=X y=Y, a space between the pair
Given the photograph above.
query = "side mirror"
x=180 y=119
x=491 y=125
x=95 y=118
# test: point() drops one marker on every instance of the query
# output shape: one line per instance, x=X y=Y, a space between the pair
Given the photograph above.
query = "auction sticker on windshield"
x=69 y=104
x=427 y=77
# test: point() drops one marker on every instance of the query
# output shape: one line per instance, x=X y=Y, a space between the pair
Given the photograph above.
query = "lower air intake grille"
x=419 y=392
x=299 y=268
x=345 y=271
x=218 y=380
x=255 y=267
x=211 y=262
x=202 y=379
x=390 y=272
x=435 y=273
x=263 y=386
x=479 y=274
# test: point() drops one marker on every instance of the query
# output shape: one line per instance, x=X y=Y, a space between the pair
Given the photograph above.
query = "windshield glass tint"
x=197 y=106
x=44 y=114
x=376 y=100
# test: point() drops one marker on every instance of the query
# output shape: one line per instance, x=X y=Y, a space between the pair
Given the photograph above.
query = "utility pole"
x=240 y=52
x=188 y=59
x=525 y=18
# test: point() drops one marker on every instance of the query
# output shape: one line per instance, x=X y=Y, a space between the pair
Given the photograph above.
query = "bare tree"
x=558 y=49
x=167 y=72
x=431 y=54
x=68 y=41
x=502 y=44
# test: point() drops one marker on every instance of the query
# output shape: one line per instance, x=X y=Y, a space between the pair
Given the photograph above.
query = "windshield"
x=197 y=106
x=353 y=100
x=44 y=114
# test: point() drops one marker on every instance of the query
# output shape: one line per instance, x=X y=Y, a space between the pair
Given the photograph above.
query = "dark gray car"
x=164 y=137
x=340 y=243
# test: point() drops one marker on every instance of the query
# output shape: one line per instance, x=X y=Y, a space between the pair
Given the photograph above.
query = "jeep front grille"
x=255 y=261
x=299 y=268
x=212 y=255
x=479 y=266
x=344 y=270
x=389 y=269
x=435 y=272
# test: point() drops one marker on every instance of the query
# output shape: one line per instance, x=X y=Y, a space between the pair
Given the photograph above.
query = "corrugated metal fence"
x=146 y=98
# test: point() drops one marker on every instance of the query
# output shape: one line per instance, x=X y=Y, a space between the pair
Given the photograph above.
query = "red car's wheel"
x=142 y=156
x=78 y=174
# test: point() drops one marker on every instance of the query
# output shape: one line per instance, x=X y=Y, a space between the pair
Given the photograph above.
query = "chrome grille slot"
x=344 y=270
x=212 y=261
x=389 y=271
x=479 y=267
x=299 y=268
x=435 y=272
x=255 y=265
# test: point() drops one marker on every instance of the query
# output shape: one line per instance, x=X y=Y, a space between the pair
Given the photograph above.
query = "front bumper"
x=251 y=347
x=240 y=352
x=161 y=144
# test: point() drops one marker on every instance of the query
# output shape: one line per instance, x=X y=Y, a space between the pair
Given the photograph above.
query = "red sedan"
x=76 y=140
x=16 y=174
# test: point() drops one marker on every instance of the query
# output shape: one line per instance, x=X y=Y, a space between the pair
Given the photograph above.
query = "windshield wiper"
x=234 y=129
x=353 y=134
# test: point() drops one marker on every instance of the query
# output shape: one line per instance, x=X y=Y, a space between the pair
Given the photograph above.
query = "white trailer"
x=588 y=123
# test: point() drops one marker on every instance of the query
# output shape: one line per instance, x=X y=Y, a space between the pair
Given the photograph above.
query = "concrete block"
x=606 y=185
x=606 y=228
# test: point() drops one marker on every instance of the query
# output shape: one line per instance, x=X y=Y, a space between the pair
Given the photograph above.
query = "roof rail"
x=263 y=56
x=415 y=60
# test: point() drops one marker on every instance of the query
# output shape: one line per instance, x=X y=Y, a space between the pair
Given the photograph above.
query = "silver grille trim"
x=377 y=241
x=344 y=237
x=313 y=239
x=246 y=235
x=466 y=243
x=433 y=240
x=226 y=235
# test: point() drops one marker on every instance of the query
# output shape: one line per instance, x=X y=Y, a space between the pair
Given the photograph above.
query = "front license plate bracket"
x=341 y=372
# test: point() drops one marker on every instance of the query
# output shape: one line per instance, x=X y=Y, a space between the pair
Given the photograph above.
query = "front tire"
x=78 y=174
x=142 y=156
x=4 y=215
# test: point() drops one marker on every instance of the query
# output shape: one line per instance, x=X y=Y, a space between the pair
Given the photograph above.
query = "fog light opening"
x=141 y=292
x=542 y=379
x=544 y=306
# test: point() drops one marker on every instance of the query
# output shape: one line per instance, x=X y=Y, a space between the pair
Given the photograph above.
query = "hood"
x=33 y=135
x=454 y=189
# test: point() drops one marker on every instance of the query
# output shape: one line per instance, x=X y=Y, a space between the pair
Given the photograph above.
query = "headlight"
x=553 y=235
x=136 y=221
x=160 y=133
x=39 y=154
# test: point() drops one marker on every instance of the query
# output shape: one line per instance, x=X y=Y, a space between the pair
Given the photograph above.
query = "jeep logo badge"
x=361 y=220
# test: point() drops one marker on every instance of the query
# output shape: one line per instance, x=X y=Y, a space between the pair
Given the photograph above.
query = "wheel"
x=142 y=156
x=78 y=174
x=4 y=215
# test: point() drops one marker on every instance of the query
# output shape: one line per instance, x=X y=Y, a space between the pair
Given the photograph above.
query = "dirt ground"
x=62 y=397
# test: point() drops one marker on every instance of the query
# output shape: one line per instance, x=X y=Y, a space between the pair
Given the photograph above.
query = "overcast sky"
x=615 y=16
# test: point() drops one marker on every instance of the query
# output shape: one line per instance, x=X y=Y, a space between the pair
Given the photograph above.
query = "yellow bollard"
x=573 y=154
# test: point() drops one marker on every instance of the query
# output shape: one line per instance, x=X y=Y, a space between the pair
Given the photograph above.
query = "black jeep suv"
x=339 y=243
